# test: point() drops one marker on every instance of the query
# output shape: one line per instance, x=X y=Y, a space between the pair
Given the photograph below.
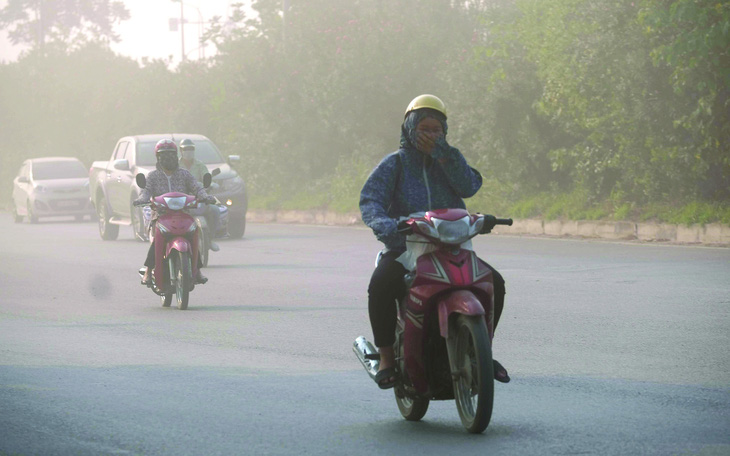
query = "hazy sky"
x=147 y=32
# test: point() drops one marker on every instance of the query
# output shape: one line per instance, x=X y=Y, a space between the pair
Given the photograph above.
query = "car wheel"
x=32 y=218
x=17 y=218
x=107 y=231
x=236 y=227
x=138 y=225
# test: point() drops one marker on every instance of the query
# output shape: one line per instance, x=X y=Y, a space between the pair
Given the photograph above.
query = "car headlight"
x=175 y=203
x=233 y=184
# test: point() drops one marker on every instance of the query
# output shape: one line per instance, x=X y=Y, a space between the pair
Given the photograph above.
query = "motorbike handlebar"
x=490 y=222
x=141 y=203
x=403 y=227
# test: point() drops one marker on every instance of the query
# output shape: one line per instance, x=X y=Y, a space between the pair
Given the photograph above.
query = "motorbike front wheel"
x=204 y=247
x=474 y=386
x=183 y=274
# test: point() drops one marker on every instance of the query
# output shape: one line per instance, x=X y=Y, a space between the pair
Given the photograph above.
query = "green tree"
x=64 y=24
x=691 y=40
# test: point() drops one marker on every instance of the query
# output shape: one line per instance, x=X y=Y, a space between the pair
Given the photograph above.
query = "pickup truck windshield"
x=205 y=151
x=59 y=170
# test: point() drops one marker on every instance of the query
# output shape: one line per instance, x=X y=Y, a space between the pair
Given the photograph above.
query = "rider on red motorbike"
x=426 y=173
x=169 y=177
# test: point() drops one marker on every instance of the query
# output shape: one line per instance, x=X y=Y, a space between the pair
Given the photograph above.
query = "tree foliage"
x=63 y=24
x=601 y=105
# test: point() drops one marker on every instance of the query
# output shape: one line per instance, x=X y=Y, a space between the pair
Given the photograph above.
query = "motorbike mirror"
x=215 y=172
x=141 y=180
x=207 y=179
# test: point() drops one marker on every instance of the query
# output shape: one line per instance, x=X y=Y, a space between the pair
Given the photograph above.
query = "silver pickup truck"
x=113 y=188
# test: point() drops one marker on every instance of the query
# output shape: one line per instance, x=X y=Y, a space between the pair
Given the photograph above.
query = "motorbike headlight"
x=192 y=228
x=453 y=232
x=176 y=203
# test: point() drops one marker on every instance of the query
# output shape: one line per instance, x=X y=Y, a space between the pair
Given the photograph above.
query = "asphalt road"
x=614 y=349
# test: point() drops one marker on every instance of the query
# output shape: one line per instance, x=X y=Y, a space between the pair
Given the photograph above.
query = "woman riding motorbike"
x=169 y=177
x=425 y=174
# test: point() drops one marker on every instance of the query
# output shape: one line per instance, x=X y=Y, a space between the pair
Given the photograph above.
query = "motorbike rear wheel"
x=183 y=273
x=411 y=408
x=474 y=387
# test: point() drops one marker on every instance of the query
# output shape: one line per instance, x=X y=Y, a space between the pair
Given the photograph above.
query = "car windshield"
x=65 y=169
x=205 y=151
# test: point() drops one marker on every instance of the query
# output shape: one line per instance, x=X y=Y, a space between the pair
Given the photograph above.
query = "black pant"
x=386 y=285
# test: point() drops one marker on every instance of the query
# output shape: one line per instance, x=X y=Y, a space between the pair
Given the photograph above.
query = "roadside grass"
x=342 y=196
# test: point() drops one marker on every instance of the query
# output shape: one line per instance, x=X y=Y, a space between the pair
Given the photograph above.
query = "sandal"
x=500 y=373
x=382 y=378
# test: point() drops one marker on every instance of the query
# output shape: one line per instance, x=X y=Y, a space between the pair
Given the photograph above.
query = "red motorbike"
x=176 y=249
x=445 y=325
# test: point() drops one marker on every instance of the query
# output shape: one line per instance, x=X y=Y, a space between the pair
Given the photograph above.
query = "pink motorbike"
x=445 y=325
x=176 y=247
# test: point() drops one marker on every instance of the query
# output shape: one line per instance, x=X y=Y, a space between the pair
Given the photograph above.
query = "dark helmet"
x=165 y=145
x=187 y=144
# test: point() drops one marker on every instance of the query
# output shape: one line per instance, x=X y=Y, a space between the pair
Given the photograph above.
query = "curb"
x=714 y=234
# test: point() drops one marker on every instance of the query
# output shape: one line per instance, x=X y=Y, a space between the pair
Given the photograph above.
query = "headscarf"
x=408 y=129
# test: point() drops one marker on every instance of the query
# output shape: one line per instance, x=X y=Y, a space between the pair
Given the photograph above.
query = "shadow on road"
x=205 y=308
x=434 y=434
x=262 y=266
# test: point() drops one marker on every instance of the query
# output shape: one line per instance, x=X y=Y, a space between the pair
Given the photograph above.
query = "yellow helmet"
x=427 y=101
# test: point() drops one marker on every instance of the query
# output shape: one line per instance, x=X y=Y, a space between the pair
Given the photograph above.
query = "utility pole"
x=41 y=32
x=283 y=25
x=182 y=31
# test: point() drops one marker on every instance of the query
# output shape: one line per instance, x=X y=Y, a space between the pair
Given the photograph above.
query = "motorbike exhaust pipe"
x=368 y=355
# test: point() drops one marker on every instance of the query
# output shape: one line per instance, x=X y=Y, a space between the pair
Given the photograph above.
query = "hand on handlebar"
x=403 y=227
x=491 y=221
x=208 y=200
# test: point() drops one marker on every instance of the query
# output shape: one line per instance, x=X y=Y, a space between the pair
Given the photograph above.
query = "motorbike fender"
x=460 y=301
x=178 y=243
x=182 y=244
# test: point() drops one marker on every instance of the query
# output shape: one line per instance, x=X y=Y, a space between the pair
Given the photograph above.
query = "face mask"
x=188 y=154
x=169 y=163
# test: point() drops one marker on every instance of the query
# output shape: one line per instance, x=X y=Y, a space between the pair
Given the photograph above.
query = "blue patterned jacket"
x=407 y=181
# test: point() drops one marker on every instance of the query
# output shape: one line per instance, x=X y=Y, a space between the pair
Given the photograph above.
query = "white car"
x=52 y=186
